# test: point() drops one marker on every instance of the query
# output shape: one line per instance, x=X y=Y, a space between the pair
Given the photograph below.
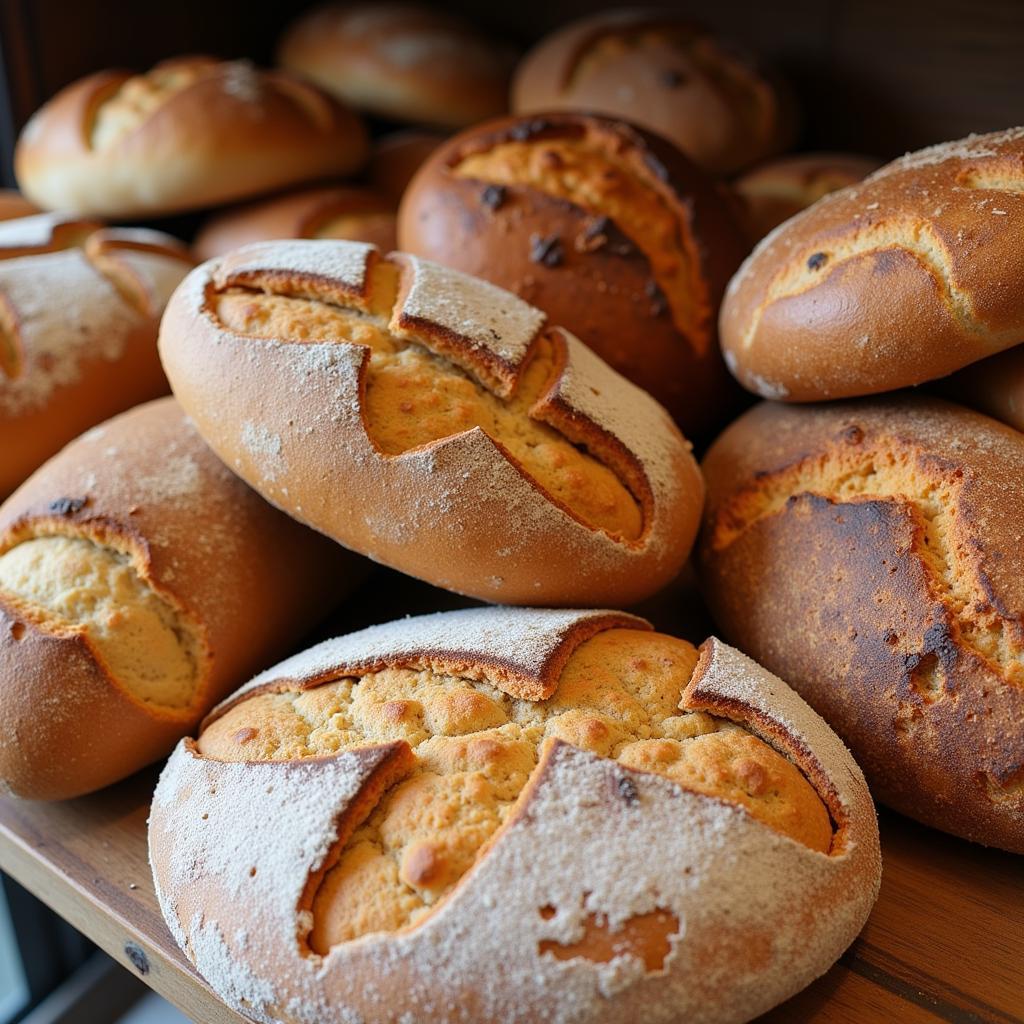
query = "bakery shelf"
x=944 y=943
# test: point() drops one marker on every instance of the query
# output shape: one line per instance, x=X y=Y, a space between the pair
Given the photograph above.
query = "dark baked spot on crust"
x=817 y=260
x=626 y=789
x=547 y=249
x=68 y=506
x=493 y=196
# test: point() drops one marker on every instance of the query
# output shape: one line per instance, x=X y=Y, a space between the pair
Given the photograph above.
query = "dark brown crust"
x=833 y=596
x=603 y=294
x=994 y=386
x=277 y=574
x=395 y=158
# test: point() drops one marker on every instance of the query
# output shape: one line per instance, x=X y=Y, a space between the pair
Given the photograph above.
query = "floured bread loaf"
x=628 y=828
x=140 y=581
x=870 y=553
x=433 y=422
x=608 y=229
x=189 y=133
x=79 y=308
x=902 y=279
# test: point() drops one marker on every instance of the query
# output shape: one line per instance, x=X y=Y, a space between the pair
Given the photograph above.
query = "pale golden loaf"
x=433 y=422
x=630 y=828
x=140 y=582
x=191 y=132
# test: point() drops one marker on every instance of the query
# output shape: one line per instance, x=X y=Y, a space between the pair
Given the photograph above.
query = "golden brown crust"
x=79 y=309
x=668 y=75
x=356 y=214
x=192 y=132
x=629 y=246
x=147 y=485
x=896 y=281
x=13 y=204
x=439 y=510
x=395 y=158
x=869 y=553
x=775 y=191
x=404 y=61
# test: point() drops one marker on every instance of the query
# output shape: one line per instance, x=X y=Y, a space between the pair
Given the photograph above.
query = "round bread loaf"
x=331 y=212
x=14 y=204
x=610 y=231
x=778 y=190
x=396 y=157
x=79 y=309
x=140 y=582
x=513 y=815
x=870 y=554
x=190 y=133
x=902 y=279
x=667 y=74
x=432 y=422
x=404 y=61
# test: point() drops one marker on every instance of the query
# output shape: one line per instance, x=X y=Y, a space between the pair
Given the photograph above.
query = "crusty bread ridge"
x=233 y=843
x=870 y=553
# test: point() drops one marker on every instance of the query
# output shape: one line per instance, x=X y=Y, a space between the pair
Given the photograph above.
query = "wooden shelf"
x=944 y=943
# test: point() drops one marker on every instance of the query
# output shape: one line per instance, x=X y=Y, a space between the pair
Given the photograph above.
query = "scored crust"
x=896 y=281
x=189 y=133
x=868 y=552
x=144 y=488
x=233 y=846
x=298 y=428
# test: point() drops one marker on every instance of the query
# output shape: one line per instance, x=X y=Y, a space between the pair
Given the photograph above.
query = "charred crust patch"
x=531 y=129
x=817 y=260
x=494 y=196
x=67 y=506
x=547 y=250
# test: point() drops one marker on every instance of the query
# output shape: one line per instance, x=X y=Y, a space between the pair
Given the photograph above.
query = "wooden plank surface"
x=944 y=943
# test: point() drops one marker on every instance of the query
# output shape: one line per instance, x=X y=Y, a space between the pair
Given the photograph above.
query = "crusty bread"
x=667 y=74
x=632 y=832
x=994 y=386
x=780 y=189
x=609 y=230
x=140 y=581
x=192 y=132
x=870 y=554
x=432 y=421
x=396 y=157
x=405 y=61
x=337 y=211
x=79 y=308
x=896 y=281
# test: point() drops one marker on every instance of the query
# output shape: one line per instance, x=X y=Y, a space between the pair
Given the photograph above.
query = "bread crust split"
x=190 y=133
x=904 y=278
x=234 y=847
x=145 y=486
x=79 y=308
x=869 y=552
x=459 y=511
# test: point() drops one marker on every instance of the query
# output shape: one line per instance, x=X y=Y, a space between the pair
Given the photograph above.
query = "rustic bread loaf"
x=870 y=553
x=338 y=211
x=631 y=829
x=79 y=309
x=902 y=279
x=667 y=74
x=404 y=61
x=610 y=231
x=190 y=133
x=780 y=189
x=140 y=581
x=396 y=157
x=432 y=421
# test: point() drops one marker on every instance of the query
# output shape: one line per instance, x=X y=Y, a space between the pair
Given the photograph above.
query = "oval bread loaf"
x=608 y=229
x=899 y=280
x=140 y=581
x=79 y=309
x=432 y=421
x=513 y=815
x=191 y=132
x=870 y=553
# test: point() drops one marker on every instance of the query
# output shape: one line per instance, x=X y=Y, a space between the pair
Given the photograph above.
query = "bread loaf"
x=190 y=133
x=513 y=815
x=994 y=386
x=899 y=280
x=14 y=204
x=667 y=74
x=609 y=230
x=396 y=157
x=329 y=212
x=870 y=553
x=140 y=582
x=79 y=308
x=403 y=61
x=433 y=422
